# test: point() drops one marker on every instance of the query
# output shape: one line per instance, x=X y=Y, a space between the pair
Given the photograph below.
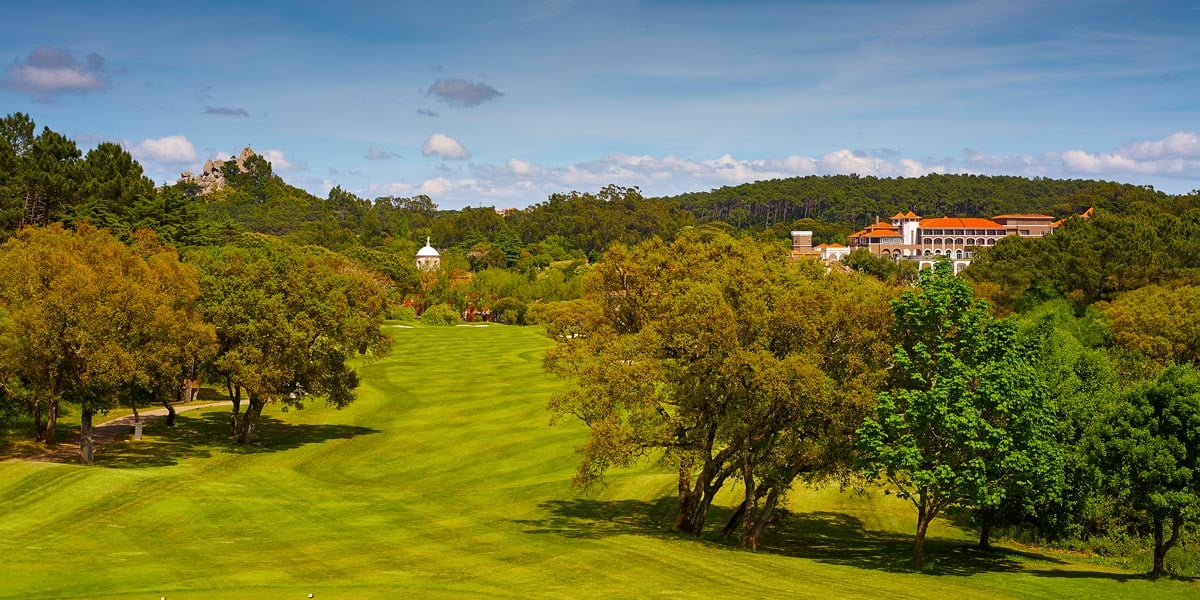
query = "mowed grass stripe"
x=445 y=479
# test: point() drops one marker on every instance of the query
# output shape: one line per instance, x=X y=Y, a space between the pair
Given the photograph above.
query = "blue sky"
x=504 y=103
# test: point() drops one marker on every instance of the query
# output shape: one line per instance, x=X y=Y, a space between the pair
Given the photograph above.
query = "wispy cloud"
x=425 y=112
x=47 y=73
x=226 y=111
x=374 y=153
x=462 y=93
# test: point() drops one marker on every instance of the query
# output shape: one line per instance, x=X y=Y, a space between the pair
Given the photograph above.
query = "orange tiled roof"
x=1087 y=214
x=898 y=216
x=886 y=227
x=1018 y=216
x=878 y=234
x=959 y=223
x=911 y=215
x=831 y=246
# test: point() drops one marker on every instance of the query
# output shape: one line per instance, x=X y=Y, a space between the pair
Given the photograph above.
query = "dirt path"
x=111 y=431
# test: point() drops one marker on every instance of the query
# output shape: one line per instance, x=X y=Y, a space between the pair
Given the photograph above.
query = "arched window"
x=970 y=241
x=928 y=253
x=887 y=253
x=958 y=254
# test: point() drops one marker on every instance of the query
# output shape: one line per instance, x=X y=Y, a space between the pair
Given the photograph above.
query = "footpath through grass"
x=445 y=480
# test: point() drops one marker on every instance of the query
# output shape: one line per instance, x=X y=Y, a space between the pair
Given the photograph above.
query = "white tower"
x=909 y=227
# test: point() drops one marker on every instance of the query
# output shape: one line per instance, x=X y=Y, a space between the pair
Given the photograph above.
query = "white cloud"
x=47 y=73
x=171 y=149
x=440 y=144
x=518 y=182
x=519 y=167
x=1184 y=144
x=280 y=164
x=1177 y=155
x=436 y=186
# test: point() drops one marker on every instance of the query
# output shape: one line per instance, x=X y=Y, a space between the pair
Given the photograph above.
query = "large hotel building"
x=909 y=237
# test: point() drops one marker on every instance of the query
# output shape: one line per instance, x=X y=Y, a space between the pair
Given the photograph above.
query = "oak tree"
x=289 y=319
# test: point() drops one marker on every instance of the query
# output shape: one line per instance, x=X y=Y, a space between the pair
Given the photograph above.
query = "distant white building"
x=428 y=258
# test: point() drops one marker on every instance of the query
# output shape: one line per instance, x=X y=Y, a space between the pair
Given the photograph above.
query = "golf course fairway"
x=446 y=479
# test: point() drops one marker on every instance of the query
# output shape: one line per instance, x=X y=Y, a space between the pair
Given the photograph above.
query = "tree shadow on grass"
x=206 y=434
x=592 y=519
x=842 y=539
x=1118 y=577
x=827 y=537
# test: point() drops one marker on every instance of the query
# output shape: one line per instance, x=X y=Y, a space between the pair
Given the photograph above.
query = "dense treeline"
x=1097 y=258
x=857 y=201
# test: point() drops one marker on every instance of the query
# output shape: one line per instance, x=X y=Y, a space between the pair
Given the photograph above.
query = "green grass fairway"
x=444 y=479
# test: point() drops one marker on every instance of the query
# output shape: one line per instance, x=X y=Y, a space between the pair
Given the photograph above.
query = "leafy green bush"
x=440 y=314
x=399 y=312
x=510 y=311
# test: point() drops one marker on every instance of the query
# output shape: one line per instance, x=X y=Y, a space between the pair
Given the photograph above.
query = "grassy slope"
x=445 y=480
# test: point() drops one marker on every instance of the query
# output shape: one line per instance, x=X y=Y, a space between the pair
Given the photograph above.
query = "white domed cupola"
x=428 y=257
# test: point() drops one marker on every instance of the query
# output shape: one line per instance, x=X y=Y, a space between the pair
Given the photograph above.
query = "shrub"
x=440 y=314
x=399 y=312
x=509 y=311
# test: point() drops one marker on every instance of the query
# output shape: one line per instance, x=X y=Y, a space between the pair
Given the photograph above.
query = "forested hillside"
x=853 y=200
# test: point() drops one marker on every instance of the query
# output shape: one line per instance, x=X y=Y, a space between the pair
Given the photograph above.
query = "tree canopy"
x=288 y=321
x=730 y=361
x=965 y=414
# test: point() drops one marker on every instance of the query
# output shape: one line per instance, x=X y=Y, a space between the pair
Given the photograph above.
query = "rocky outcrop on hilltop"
x=211 y=178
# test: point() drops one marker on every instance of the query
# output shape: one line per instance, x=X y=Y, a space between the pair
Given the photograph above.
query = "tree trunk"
x=985 y=531
x=923 y=519
x=1161 y=546
x=46 y=431
x=85 y=437
x=734 y=520
x=753 y=536
x=751 y=498
x=170 y=422
x=250 y=419
x=39 y=428
x=236 y=398
x=694 y=504
x=689 y=504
